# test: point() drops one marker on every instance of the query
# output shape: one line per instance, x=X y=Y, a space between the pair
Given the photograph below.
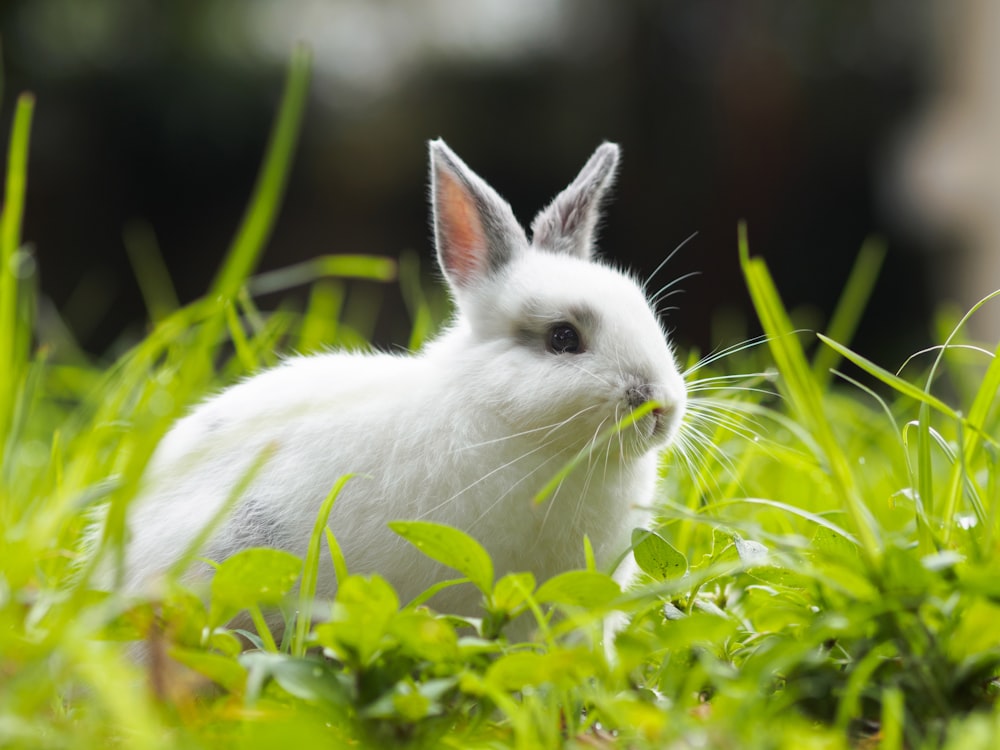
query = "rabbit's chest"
x=533 y=513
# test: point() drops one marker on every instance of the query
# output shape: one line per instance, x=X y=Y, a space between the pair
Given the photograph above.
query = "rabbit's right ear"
x=569 y=224
x=474 y=228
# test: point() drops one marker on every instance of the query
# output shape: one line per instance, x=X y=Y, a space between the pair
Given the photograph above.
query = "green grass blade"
x=322 y=317
x=310 y=570
x=150 y=271
x=893 y=381
x=850 y=307
x=258 y=222
x=365 y=267
x=13 y=352
x=799 y=387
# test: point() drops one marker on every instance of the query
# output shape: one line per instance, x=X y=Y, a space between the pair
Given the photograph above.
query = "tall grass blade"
x=258 y=222
x=150 y=271
x=893 y=381
x=13 y=333
x=799 y=387
x=310 y=570
x=853 y=300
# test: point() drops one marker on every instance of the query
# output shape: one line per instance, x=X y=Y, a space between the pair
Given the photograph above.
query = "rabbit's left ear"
x=569 y=223
x=474 y=228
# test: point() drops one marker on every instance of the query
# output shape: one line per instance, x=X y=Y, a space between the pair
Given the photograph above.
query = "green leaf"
x=511 y=592
x=451 y=547
x=657 y=557
x=564 y=668
x=698 y=628
x=411 y=701
x=579 y=588
x=256 y=576
x=829 y=542
x=362 y=612
x=425 y=637
x=307 y=679
x=222 y=670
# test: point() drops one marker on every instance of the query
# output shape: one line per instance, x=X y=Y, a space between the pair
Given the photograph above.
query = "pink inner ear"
x=463 y=241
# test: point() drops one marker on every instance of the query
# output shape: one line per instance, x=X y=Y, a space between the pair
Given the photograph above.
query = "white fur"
x=466 y=432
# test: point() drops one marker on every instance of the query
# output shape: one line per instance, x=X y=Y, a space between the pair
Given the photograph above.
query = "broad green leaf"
x=579 y=588
x=828 y=541
x=307 y=679
x=511 y=592
x=362 y=612
x=222 y=670
x=425 y=637
x=451 y=547
x=563 y=668
x=656 y=556
x=781 y=577
x=698 y=628
x=411 y=701
x=184 y=617
x=256 y=576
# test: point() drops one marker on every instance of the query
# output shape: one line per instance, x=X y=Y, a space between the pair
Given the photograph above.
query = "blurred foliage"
x=823 y=573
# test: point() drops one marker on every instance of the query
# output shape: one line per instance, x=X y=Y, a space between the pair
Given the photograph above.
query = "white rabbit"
x=549 y=348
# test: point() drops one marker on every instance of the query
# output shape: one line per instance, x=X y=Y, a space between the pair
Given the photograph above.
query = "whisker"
x=594 y=375
x=737 y=377
x=663 y=289
x=666 y=260
x=549 y=427
x=734 y=389
x=728 y=351
x=730 y=424
x=484 y=477
x=514 y=485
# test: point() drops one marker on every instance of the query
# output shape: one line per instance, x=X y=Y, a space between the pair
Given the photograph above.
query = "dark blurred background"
x=788 y=115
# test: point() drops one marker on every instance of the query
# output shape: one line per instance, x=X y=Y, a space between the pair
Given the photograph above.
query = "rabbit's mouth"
x=662 y=422
x=661 y=416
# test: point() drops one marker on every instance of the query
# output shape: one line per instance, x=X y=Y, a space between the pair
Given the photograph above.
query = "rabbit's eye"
x=564 y=339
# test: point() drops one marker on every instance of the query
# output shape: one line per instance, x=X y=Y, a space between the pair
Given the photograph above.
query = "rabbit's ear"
x=474 y=228
x=569 y=223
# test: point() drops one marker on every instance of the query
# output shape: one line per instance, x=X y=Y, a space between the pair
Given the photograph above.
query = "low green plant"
x=823 y=571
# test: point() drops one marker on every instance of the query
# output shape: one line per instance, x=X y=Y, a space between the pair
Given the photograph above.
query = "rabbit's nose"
x=637 y=395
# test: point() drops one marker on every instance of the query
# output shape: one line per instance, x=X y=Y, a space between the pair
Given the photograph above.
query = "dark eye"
x=564 y=339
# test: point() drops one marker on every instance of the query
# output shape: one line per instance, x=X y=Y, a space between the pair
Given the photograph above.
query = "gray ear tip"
x=609 y=152
x=440 y=151
x=441 y=155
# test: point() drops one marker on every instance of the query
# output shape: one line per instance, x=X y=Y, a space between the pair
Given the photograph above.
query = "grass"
x=824 y=572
